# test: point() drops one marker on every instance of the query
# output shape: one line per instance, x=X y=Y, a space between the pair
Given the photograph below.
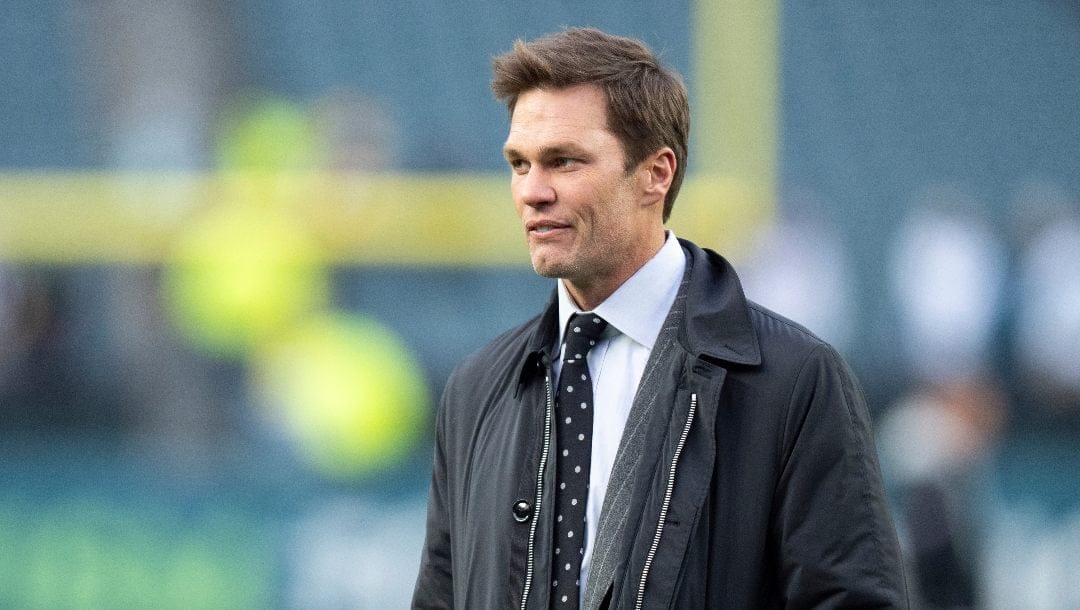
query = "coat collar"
x=541 y=343
x=717 y=325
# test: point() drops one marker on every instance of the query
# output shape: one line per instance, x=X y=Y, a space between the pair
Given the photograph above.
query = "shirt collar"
x=638 y=307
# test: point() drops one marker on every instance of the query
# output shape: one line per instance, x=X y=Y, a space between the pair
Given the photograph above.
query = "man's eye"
x=563 y=162
x=519 y=165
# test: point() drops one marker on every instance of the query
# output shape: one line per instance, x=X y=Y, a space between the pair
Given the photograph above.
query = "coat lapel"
x=637 y=453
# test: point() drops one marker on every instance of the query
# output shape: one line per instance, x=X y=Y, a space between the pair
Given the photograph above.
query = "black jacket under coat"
x=776 y=499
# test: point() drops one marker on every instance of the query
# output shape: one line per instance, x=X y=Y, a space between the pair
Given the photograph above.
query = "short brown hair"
x=647 y=105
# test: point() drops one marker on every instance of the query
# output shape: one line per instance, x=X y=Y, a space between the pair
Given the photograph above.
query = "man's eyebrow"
x=555 y=150
x=568 y=148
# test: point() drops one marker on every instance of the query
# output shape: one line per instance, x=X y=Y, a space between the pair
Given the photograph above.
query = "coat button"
x=522 y=511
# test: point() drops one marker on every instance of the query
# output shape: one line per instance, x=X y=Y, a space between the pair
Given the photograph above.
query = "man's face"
x=582 y=211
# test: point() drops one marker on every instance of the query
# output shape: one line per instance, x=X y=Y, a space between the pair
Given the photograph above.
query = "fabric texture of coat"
x=746 y=478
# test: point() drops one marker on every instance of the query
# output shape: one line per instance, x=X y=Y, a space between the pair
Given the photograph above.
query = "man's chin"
x=548 y=271
x=549 y=268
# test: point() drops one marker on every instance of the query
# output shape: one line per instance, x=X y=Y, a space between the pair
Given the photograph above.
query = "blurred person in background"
x=948 y=272
x=41 y=391
x=652 y=439
x=1048 y=324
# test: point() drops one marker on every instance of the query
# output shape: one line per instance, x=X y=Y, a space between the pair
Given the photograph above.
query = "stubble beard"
x=582 y=267
x=554 y=270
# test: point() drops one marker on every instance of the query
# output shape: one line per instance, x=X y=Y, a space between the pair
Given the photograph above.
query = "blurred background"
x=243 y=244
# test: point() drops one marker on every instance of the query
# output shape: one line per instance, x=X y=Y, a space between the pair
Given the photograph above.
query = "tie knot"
x=582 y=332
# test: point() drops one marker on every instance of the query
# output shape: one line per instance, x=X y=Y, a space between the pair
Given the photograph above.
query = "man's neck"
x=588 y=294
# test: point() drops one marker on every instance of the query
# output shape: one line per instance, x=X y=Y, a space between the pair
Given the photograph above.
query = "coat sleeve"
x=434 y=584
x=837 y=544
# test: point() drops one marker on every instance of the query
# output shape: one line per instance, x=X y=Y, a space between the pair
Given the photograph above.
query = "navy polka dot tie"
x=573 y=432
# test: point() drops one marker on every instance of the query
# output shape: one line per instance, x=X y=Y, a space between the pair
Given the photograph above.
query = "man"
x=652 y=439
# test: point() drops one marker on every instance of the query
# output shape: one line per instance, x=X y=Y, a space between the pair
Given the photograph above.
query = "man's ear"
x=657 y=172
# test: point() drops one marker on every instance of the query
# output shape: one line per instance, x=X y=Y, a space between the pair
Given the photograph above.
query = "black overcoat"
x=759 y=488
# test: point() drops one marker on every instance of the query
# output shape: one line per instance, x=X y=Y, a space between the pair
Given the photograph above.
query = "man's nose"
x=534 y=188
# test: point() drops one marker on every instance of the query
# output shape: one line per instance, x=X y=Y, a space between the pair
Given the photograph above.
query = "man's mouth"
x=542 y=227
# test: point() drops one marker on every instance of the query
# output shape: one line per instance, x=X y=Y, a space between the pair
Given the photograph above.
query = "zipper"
x=667 y=503
x=539 y=490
